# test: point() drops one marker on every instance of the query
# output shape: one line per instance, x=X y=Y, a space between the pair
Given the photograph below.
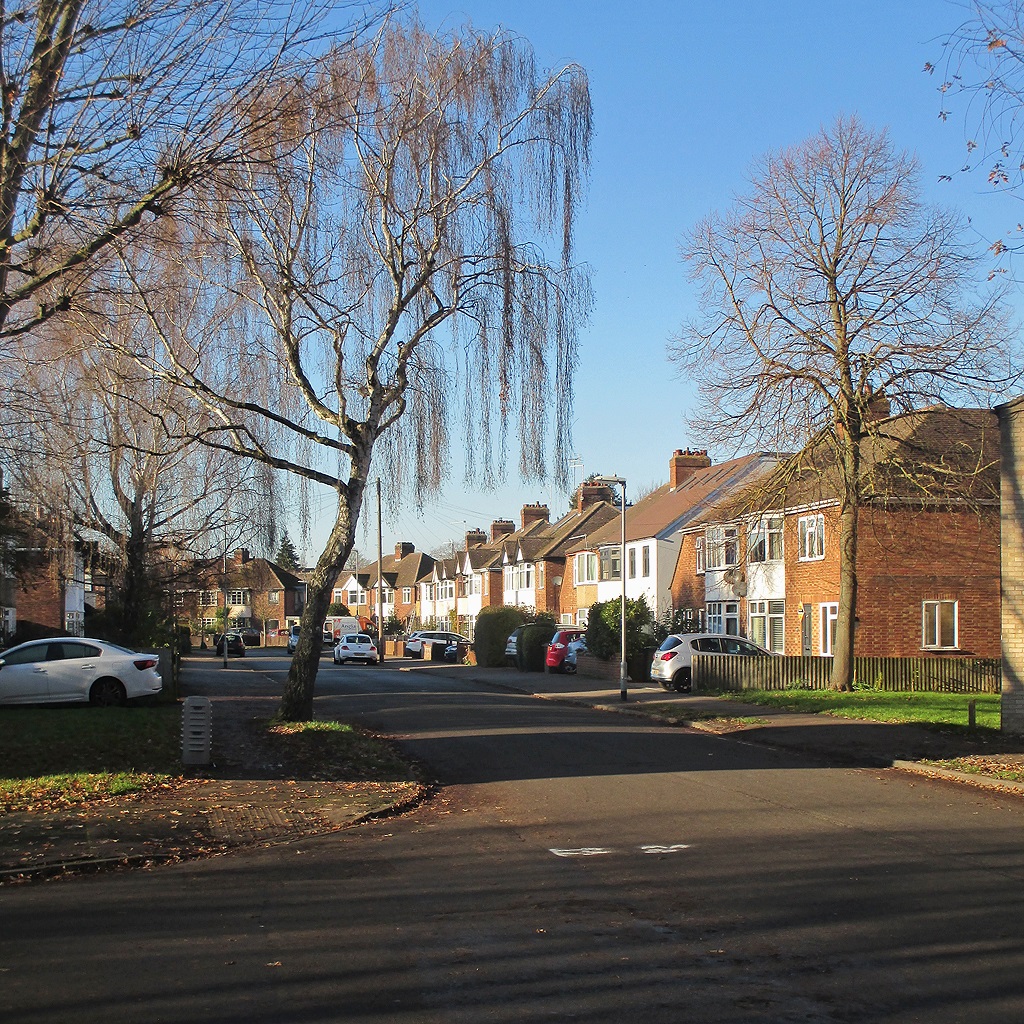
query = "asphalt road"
x=577 y=865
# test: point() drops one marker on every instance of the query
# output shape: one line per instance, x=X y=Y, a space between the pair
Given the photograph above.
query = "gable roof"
x=937 y=455
x=667 y=510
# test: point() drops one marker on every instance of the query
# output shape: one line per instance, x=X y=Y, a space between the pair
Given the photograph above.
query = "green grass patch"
x=340 y=752
x=58 y=756
x=938 y=710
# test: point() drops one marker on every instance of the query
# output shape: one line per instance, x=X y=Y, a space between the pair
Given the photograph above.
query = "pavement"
x=245 y=798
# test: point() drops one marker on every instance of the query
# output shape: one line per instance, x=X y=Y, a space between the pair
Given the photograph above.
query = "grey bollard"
x=196 y=730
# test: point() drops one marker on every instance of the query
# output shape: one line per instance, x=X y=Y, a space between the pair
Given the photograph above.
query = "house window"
x=238 y=597
x=723 y=547
x=209 y=599
x=209 y=622
x=179 y=600
x=611 y=563
x=768 y=624
x=271 y=625
x=940 y=622
x=584 y=568
x=698 y=553
x=812 y=538
x=582 y=615
x=765 y=540
x=646 y=566
x=829 y=616
x=724 y=617
x=632 y=563
x=353 y=598
x=338 y=596
x=273 y=596
x=406 y=595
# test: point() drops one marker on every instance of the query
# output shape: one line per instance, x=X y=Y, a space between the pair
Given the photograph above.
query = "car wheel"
x=666 y=685
x=570 y=668
x=681 y=681
x=107 y=693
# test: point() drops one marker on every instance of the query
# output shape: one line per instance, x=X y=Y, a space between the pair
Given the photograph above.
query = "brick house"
x=766 y=563
x=653 y=526
x=258 y=593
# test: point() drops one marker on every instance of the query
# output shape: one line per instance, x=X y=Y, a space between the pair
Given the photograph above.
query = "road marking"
x=602 y=851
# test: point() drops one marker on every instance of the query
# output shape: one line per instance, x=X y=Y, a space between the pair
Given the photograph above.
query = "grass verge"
x=935 y=710
x=57 y=757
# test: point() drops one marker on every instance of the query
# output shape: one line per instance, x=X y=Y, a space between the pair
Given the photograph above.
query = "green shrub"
x=532 y=650
x=493 y=627
x=604 y=627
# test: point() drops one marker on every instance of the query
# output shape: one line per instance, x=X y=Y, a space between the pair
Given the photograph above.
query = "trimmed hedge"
x=532 y=650
x=493 y=628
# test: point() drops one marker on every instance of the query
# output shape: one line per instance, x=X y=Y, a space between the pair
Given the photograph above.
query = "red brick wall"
x=904 y=558
x=687 y=586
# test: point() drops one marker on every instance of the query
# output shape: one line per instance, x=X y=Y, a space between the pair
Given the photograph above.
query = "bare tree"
x=981 y=72
x=97 y=452
x=110 y=110
x=827 y=285
x=390 y=263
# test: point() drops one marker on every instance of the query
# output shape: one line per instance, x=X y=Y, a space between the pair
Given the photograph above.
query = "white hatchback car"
x=67 y=669
x=355 y=647
x=673 y=661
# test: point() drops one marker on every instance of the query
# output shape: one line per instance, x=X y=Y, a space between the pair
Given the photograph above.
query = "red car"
x=559 y=647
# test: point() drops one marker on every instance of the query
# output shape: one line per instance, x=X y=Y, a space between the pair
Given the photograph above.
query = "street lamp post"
x=623 y=670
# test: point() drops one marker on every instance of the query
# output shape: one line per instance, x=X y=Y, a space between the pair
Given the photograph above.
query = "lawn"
x=930 y=709
x=52 y=757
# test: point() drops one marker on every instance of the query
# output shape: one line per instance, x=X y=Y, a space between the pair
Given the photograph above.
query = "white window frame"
x=406 y=595
x=767 y=624
x=645 y=562
x=585 y=568
x=812 y=538
x=721 y=615
x=764 y=540
x=828 y=616
x=698 y=556
x=631 y=559
x=723 y=547
x=238 y=597
x=933 y=637
x=274 y=596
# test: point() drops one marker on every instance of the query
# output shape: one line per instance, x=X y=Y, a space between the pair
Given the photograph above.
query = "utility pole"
x=380 y=582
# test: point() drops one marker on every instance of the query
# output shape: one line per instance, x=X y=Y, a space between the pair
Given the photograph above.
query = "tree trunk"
x=842 y=654
x=297 y=700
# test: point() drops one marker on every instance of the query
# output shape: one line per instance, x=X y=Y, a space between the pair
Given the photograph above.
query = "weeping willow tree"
x=381 y=268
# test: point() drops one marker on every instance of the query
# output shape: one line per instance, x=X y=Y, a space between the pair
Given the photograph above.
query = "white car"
x=673 y=661
x=66 y=669
x=414 y=645
x=355 y=647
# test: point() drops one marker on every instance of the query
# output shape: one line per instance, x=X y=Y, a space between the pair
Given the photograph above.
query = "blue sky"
x=686 y=95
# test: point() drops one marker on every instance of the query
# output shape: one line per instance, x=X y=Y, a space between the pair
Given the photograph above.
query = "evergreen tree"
x=287 y=556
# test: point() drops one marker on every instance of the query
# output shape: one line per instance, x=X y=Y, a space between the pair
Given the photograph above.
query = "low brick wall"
x=594 y=668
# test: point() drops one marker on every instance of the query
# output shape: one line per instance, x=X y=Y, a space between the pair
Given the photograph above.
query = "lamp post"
x=621 y=482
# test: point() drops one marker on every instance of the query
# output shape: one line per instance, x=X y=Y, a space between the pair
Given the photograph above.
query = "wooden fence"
x=934 y=675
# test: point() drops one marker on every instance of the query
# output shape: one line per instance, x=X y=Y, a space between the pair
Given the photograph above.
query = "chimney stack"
x=474 y=538
x=403 y=548
x=683 y=465
x=241 y=556
x=591 y=494
x=536 y=513
x=502 y=528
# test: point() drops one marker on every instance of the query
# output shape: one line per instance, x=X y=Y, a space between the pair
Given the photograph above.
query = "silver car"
x=673 y=661
x=74 y=669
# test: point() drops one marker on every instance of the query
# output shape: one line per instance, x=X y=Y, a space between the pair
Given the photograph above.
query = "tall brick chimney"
x=403 y=548
x=535 y=514
x=502 y=528
x=683 y=465
x=241 y=556
x=591 y=494
x=474 y=538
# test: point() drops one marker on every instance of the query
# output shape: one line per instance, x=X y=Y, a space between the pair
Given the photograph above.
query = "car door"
x=23 y=677
x=72 y=667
